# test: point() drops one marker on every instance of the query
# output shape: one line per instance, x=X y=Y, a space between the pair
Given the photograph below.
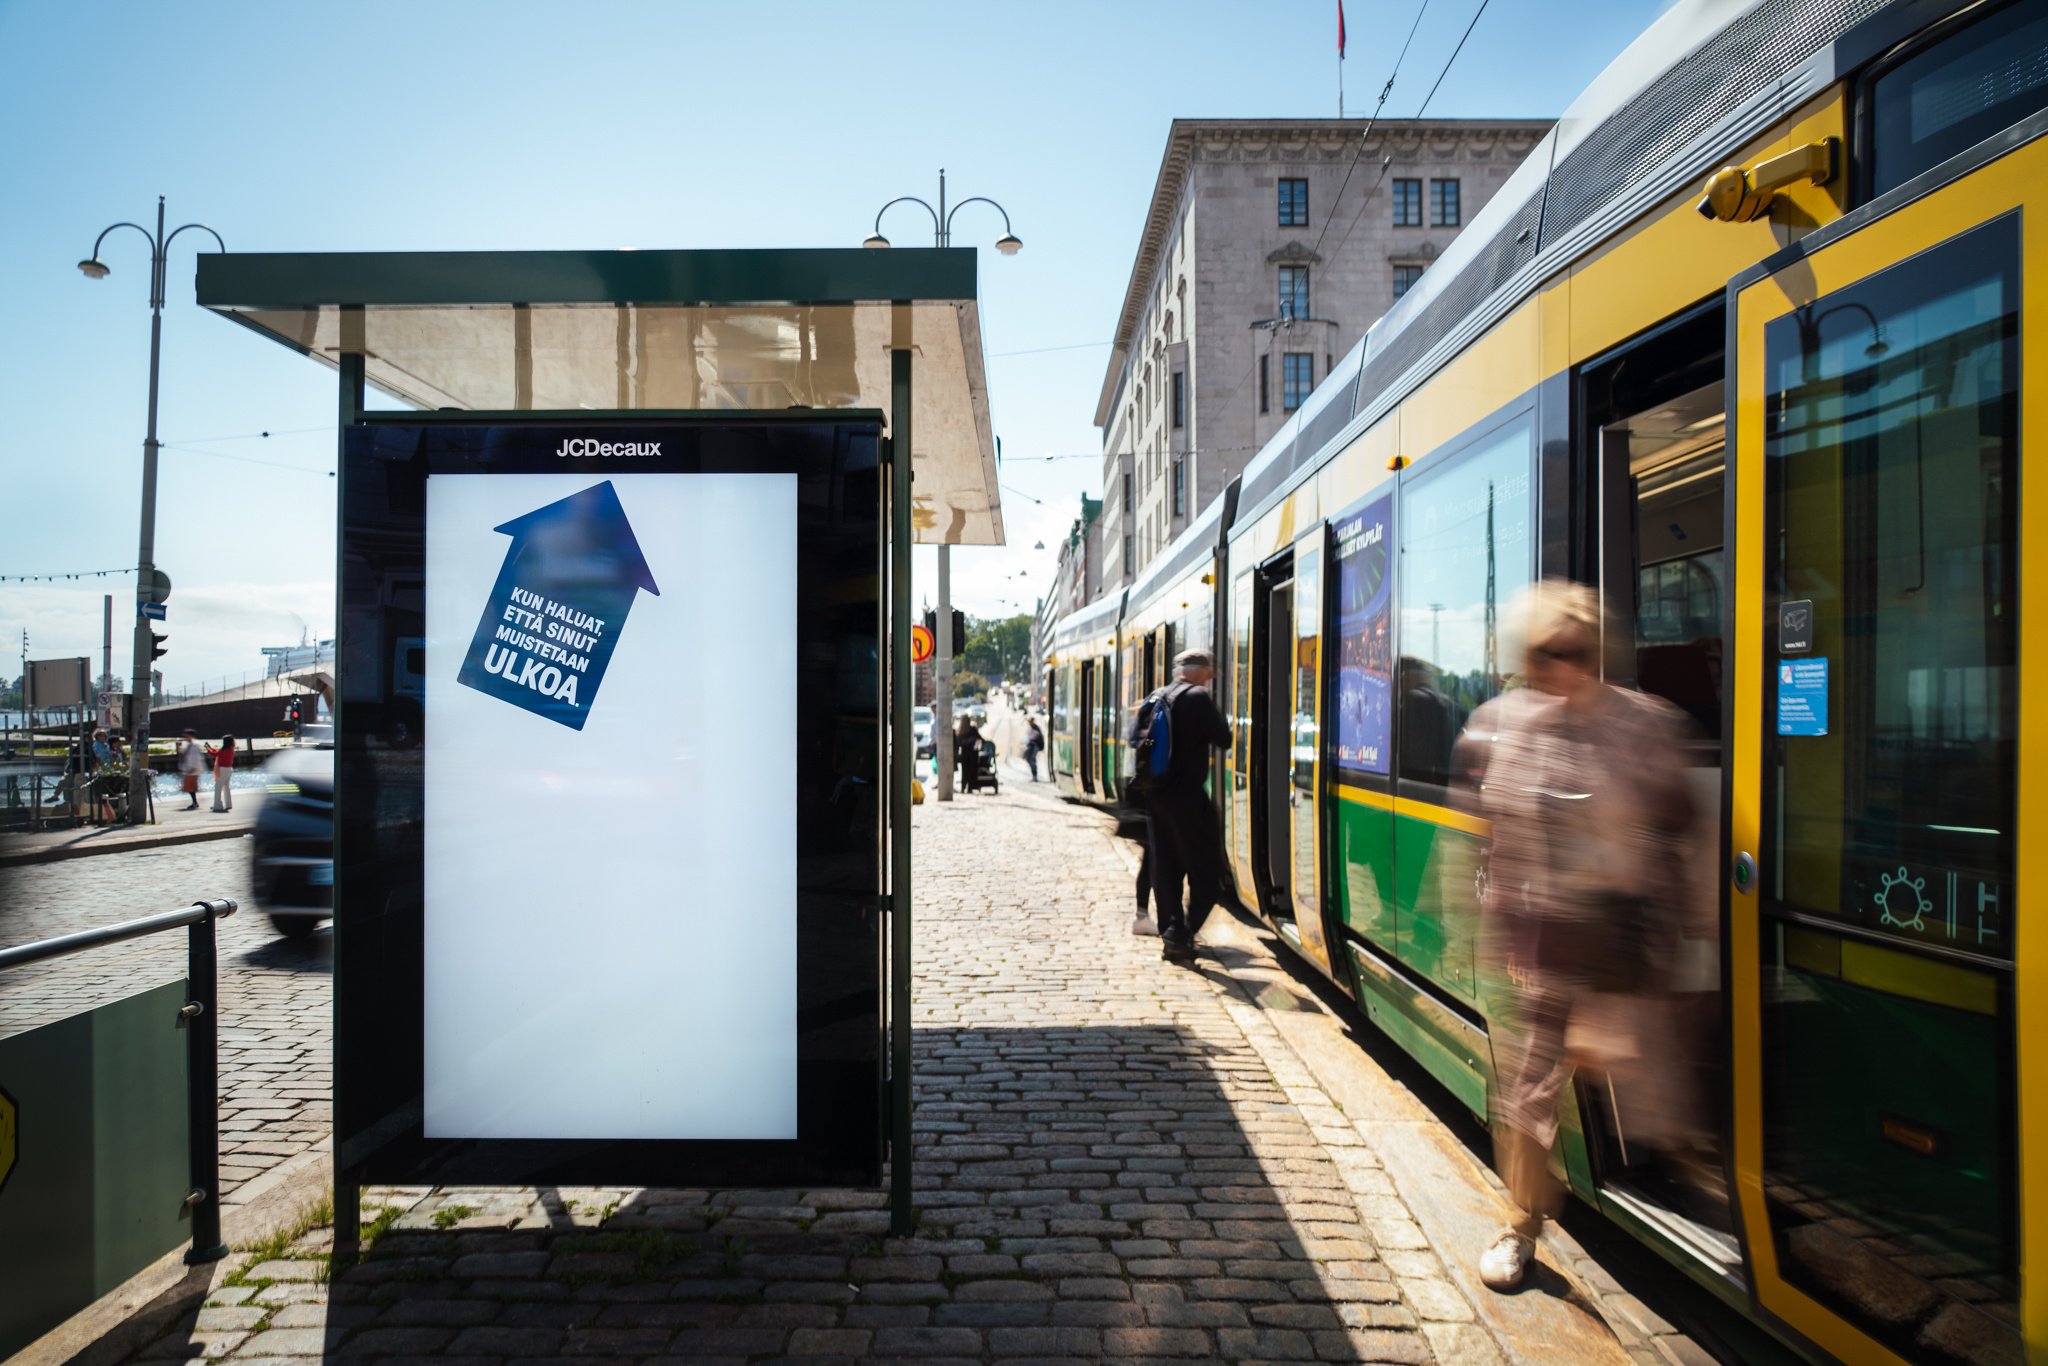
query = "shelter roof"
x=715 y=331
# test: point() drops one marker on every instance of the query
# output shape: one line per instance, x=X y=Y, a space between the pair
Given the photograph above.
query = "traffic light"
x=959 y=633
x=157 y=645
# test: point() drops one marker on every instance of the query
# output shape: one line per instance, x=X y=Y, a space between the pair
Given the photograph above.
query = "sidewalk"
x=174 y=825
x=1117 y=1160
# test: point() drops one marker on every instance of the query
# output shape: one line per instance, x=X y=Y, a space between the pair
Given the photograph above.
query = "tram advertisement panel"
x=608 y=818
x=1364 y=646
x=579 y=679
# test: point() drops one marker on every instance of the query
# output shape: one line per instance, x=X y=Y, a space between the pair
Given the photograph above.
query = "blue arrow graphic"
x=554 y=616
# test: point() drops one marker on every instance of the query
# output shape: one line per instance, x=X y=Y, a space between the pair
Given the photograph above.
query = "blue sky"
x=384 y=126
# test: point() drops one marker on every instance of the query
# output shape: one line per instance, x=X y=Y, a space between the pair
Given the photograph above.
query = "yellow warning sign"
x=7 y=1130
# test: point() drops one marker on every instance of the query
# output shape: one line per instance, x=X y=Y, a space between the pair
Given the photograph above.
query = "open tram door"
x=1286 y=697
x=1886 y=1039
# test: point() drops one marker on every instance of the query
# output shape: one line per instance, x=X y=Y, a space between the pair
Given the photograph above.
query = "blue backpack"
x=1151 y=746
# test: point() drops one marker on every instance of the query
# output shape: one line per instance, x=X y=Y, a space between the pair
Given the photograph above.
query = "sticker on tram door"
x=1803 y=697
x=556 y=612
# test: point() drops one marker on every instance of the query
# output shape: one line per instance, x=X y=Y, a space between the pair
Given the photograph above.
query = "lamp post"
x=145 y=577
x=1009 y=244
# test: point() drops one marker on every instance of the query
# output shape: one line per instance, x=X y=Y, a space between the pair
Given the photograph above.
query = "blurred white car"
x=921 y=720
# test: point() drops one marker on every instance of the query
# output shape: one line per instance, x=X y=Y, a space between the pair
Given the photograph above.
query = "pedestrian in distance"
x=1184 y=841
x=967 y=753
x=102 y=752
x=1034 y=743
x=191 y=763
x=223 y=773
x=1585 y=787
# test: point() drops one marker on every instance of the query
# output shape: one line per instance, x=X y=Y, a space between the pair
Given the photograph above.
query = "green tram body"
x=1869 y=1072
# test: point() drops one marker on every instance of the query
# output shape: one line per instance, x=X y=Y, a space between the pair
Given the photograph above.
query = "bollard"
x=202 y=1079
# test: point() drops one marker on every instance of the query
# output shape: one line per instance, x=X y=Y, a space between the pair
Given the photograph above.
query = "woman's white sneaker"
x=1503 y=1265
x=1143 y=925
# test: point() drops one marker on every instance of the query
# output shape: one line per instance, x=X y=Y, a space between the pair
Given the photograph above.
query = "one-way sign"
x=554 y=616
x=155 y=611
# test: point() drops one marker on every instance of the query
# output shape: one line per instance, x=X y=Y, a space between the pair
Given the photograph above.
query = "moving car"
x=293 y=841
x=921 y=723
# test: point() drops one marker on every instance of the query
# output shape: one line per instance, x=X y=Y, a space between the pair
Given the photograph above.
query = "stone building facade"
x=1270 y=246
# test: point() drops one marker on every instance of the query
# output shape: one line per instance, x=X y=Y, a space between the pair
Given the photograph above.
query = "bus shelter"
x=622 y=875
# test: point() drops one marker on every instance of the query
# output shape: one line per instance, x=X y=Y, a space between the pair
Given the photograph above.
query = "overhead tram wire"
x=1363 y=135
x=1385 y=166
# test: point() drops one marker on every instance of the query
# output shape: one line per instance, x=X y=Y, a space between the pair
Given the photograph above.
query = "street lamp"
x=1009 y=244
x=95 y=269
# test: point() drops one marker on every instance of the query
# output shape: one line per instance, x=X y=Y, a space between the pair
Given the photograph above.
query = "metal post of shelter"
x=902 y=758
x=348 y=1196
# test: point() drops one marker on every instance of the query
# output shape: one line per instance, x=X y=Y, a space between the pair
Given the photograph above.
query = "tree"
x=967 y=683
x=997 y=646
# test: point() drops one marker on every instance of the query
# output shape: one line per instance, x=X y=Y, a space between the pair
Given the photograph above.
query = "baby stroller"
x=981 y=775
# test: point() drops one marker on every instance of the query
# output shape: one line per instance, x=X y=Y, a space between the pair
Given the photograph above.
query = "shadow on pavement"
x=312 y=953
x=1118 y=1191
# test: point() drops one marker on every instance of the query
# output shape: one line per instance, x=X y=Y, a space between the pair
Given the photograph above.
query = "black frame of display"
x=379 y=816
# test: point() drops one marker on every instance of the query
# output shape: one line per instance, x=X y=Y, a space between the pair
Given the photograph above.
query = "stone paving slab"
x=1117 y=1160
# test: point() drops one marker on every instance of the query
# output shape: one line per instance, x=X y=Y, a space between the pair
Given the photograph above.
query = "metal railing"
x=198 y=1018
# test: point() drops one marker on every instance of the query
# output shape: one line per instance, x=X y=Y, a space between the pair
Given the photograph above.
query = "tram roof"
x=739 y=330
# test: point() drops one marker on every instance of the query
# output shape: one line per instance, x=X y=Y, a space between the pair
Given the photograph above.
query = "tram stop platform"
x=1117 y=1160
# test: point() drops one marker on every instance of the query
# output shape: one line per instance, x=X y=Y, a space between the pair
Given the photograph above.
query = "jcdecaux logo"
x=585 y=446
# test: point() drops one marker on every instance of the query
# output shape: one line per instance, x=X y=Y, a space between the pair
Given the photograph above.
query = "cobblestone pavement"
x=275 y=1071
x=1116 y=1160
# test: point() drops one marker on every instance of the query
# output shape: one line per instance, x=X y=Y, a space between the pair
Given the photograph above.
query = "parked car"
x=921 y=723
x=294 y=841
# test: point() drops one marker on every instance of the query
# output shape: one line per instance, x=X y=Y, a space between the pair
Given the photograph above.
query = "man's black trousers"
x=1187 y=858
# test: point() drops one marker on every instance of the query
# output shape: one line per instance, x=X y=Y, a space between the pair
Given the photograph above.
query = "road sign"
x=155 y=611
x=922 y=646
x=157 y=588
x=8 y=1123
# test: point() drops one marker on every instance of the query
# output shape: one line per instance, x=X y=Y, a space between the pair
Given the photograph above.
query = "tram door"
x=1883 y=586
x=1273 y=701
x=1085 y=736
x=1304 y=770
x=1656 y=1122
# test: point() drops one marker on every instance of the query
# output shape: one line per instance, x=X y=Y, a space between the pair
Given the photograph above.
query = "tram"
x=1751 y=344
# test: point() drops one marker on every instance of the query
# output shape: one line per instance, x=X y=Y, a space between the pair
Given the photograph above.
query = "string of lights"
x=53 y=578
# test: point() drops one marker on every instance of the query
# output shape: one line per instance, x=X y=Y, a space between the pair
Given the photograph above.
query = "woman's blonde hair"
x=1545 y=609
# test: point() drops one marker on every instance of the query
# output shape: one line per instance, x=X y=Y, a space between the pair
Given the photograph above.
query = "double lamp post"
x=942 y=674
x=147 y=579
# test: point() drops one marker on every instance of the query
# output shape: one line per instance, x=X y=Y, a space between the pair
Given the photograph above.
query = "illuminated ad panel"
x=608 y=801
x=582 y=686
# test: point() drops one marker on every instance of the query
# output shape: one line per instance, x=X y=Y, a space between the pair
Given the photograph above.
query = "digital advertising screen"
x=589 y=678
x=609 y=802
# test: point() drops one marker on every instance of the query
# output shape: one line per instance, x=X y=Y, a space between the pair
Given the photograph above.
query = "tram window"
x=1946 y=98
x=1891 y=438
x=1464 y=535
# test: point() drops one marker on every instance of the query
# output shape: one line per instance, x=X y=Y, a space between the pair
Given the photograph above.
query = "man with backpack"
x=1170 y=744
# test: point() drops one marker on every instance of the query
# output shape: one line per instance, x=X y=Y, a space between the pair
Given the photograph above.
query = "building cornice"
x=1189 y=140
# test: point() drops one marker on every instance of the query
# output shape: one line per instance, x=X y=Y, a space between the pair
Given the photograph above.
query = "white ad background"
x=611 y=914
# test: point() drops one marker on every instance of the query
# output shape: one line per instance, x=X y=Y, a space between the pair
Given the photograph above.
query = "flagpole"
x=1340 y=59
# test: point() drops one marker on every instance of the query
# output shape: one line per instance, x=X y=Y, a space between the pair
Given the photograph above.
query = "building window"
x=1180 y=487
x=1130 y=553
x=1293 y=203
x=1407 y=203
x=1180 y=398
x=1265 y=384
x=1405 y=278
x=1128 y=500
x=1297 y=377
x=1294 y=292
x=1443 y=203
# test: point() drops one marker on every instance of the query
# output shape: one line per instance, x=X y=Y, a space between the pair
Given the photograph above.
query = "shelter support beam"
x=902 y=759
x=348 y=1197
